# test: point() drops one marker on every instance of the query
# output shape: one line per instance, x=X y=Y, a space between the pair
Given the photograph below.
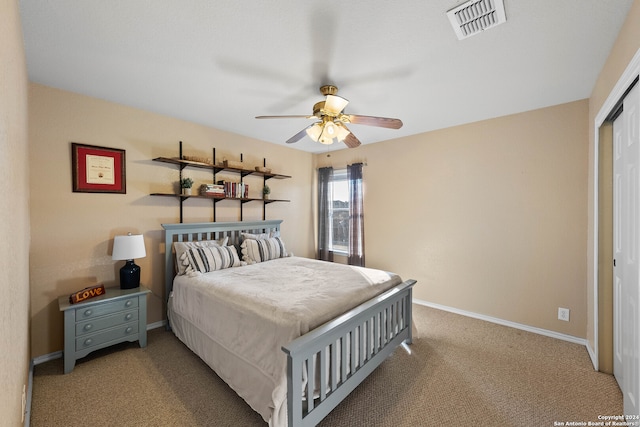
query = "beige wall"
x=488 y=217
x=625 y=47
x=14 y=226
x=73 y=232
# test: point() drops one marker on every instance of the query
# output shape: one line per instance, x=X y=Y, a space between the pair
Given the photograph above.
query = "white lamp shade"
x=330 y=129
x=128 y=247
x=326 y=140
x=341 y=132
x=314 y=131
x=335 y=104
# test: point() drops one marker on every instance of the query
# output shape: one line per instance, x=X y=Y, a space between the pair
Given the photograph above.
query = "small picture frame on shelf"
x=96 y=169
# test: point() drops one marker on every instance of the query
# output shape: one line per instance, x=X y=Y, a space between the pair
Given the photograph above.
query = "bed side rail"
x=330 y=361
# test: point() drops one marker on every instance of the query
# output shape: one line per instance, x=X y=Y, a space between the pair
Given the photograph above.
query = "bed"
x=271 y=326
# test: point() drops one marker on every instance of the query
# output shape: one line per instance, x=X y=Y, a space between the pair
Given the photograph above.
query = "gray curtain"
x=356 y=215
x=325 y=197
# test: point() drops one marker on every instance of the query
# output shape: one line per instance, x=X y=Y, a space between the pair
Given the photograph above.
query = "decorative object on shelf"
x=128 y=248
x=265 y=192
x=97 y=169
x=86 y=293
x=263 y=169
x=232 y=164
x=185 y=185
x=197 y=159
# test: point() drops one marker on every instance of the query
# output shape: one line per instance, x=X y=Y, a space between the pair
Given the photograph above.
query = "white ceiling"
x=221 y=63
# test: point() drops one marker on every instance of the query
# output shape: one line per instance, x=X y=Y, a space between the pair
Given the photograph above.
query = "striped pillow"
x=259 y=250
x=182 y=247
x=211 y=258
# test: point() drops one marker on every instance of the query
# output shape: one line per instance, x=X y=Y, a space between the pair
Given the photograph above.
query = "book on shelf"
x=236 y=190
x=212 y=190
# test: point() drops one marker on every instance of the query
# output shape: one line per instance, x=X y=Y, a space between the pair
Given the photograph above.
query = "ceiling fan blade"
x=351 y=141
x=383 y=122
x=298 y=136
x=286 y=117
x=334 y=104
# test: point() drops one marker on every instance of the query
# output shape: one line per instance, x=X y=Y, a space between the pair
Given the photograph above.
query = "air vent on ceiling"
x=474 y=16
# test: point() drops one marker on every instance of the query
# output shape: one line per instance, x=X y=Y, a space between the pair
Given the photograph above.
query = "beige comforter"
x=238 y=319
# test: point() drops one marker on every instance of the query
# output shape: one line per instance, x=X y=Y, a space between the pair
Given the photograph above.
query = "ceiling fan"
x=331 y=121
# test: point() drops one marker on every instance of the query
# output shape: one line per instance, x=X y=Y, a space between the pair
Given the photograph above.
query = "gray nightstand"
x=117 y=316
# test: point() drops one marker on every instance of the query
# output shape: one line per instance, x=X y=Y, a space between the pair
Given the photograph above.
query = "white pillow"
x=182 y=247
x=259 y=250
x=210 y=258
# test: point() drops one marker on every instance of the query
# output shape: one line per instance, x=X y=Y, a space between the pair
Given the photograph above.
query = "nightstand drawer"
x=107 y=308
x=97 y=324
x=117 y=333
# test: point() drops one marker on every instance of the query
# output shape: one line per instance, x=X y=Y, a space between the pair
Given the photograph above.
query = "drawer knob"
x=128 y=316
x=88 y=327
x=88 y=312
x=128 y=330
x=88 y=341
x=128 y=303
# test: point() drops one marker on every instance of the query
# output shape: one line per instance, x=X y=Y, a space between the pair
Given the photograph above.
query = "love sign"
x=87 y=293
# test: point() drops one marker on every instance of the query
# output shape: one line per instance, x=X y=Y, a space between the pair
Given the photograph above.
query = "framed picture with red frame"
x=98 y=169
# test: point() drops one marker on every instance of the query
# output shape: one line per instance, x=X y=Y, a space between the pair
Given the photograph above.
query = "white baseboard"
x=46 y=358
x=593 y=356
x=155 y=325
x=498 y=321
x=27 y=409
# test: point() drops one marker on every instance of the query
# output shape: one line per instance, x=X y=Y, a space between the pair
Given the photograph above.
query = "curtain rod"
x=341 y=167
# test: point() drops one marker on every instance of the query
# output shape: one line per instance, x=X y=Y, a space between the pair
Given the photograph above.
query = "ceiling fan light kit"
x=331 y=125
x=327 y=132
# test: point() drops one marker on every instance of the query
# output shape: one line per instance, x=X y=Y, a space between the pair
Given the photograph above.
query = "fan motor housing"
x=317 y=108
x=328 y=90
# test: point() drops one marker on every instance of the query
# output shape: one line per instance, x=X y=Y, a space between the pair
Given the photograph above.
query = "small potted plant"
x=185 y=184
x=265 y=192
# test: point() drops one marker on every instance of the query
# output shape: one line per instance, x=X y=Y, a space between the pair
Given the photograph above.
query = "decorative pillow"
x=259 y=250
x=255 y=236
x=210 y=258
x=182 y=247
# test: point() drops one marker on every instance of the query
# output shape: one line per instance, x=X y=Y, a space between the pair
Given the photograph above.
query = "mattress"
x=238 y=319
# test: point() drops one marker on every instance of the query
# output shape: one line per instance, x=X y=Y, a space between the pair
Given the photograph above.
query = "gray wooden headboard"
x=197 y=231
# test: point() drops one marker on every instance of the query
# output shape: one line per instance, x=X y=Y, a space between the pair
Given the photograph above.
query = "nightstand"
x=117 y=316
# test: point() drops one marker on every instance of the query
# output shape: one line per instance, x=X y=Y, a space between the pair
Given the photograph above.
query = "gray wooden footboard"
x=333 y=355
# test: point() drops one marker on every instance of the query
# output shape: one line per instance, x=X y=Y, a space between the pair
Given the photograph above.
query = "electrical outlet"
x=24 y=401
x=563 y=314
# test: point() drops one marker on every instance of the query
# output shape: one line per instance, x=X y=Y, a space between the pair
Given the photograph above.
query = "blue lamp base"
x=129 y=275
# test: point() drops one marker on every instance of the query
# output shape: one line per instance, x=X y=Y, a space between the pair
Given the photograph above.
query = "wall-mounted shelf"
x=218 y=168
x=218 y=199
x=215 y=169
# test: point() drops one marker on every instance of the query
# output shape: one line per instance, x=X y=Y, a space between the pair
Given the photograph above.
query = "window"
x=339 y=212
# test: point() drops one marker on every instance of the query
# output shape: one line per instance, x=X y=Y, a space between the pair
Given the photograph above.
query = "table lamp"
x=128 y=248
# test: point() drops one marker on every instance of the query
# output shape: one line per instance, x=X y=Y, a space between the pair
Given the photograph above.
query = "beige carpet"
x=461 y=371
